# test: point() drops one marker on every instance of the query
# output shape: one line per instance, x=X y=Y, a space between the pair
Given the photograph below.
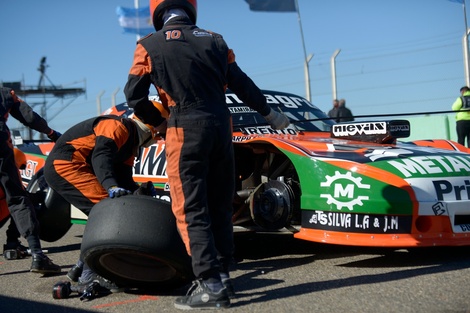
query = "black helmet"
x=158 y=7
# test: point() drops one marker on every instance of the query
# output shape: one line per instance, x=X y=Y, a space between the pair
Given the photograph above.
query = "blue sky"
x=397 y=56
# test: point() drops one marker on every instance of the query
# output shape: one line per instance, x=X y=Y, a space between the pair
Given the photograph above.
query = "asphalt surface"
x=274 y=273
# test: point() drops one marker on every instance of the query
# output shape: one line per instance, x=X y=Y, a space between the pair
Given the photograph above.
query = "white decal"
x=29 y=170
x=373 y=128
x=241 y=138
x=344 y=190
x=266 y=130
x=386 y=153
x=435 y=164
x=235 y=110
x=446 y=190
x=332 y=220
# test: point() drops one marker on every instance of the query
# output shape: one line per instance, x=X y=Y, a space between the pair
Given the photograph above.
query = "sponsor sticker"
x=371 y=128
x=29 y=171
x=344 y=191
x=356 y=223
x=267 y=130
x=151 y=162
x=432 y=165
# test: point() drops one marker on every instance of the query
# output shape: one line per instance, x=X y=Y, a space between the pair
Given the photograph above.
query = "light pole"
x=113 y=98
x=465 y=44
x=465 y=57
x=98 y=102
x=333 y=72
x=306 y=58
x=307 y=77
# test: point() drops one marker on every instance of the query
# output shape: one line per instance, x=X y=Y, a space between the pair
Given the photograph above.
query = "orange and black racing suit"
x=191 y=68
x=20 y=206
x=90 y=157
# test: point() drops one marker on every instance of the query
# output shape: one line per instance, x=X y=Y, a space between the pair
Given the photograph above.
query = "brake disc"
x=271 y=205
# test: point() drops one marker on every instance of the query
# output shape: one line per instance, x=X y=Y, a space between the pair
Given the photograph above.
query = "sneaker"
x=74 y=273
x=14 y=250
x=199 y=296
x=104 y=283
x=43 y=265
x=227 y=282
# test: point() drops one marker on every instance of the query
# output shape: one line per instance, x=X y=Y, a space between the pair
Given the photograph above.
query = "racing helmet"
x=148 y=134
x=158 y=7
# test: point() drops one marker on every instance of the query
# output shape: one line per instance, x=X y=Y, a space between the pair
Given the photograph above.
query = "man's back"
x=190 y=66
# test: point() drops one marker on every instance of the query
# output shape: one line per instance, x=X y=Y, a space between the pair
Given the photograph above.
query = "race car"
x=356 y=183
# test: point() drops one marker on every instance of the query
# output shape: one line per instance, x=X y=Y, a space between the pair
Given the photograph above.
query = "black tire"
x=53 y=211
x=133 y=241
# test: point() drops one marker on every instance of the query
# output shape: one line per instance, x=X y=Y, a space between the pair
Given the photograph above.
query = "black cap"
x=464 y=88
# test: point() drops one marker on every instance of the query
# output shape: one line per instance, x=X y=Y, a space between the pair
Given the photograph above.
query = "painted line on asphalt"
x=139 y=299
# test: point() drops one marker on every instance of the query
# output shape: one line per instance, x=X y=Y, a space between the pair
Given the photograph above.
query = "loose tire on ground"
x=133 y=241
x=53 y=211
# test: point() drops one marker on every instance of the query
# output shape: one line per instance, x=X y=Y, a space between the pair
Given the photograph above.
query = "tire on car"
x=133 y=241
x=53 y=211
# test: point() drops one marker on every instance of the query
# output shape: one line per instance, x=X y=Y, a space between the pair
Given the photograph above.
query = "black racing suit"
x=20 y=206
x=191 y=69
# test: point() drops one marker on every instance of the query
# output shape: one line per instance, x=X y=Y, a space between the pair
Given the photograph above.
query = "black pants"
x=21 y=208
x=202 y=182
x=12 y=232
x=463 y=131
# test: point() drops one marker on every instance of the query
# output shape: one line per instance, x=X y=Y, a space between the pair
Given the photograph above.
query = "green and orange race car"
x=351 y=183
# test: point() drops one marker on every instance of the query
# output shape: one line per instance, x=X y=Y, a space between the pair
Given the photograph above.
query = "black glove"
x=116 y=191
x=146 y=189
x=54 y=135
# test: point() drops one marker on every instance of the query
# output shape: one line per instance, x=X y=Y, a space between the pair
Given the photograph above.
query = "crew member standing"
x=191 y=68
x=462 y=104
x=21 y=208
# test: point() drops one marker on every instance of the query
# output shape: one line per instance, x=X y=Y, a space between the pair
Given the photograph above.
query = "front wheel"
x=133 y=241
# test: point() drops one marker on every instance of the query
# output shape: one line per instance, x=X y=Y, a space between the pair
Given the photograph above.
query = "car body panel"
x=352 y=184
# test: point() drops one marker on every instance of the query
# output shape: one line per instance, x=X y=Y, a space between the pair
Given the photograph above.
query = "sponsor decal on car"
x=267 y=130
x=241 y=109
x=433 y=165
x=151 y=162
x=359 y=129
x=346 y=189
x=284 y=100
x=241 y=138
x=30 y=170
x=358 y=223
x=440 y=190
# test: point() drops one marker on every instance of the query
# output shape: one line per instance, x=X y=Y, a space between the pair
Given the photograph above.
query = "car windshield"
x=303 y=115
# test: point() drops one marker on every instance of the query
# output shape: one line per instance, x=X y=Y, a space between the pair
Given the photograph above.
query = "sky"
x=396 y=56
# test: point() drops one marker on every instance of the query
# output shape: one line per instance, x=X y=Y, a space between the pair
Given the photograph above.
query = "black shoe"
x=14 y=250
x=104 y=283
x=227 y=282
x=43 y=265
x=199 y=296
x=74 y=273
